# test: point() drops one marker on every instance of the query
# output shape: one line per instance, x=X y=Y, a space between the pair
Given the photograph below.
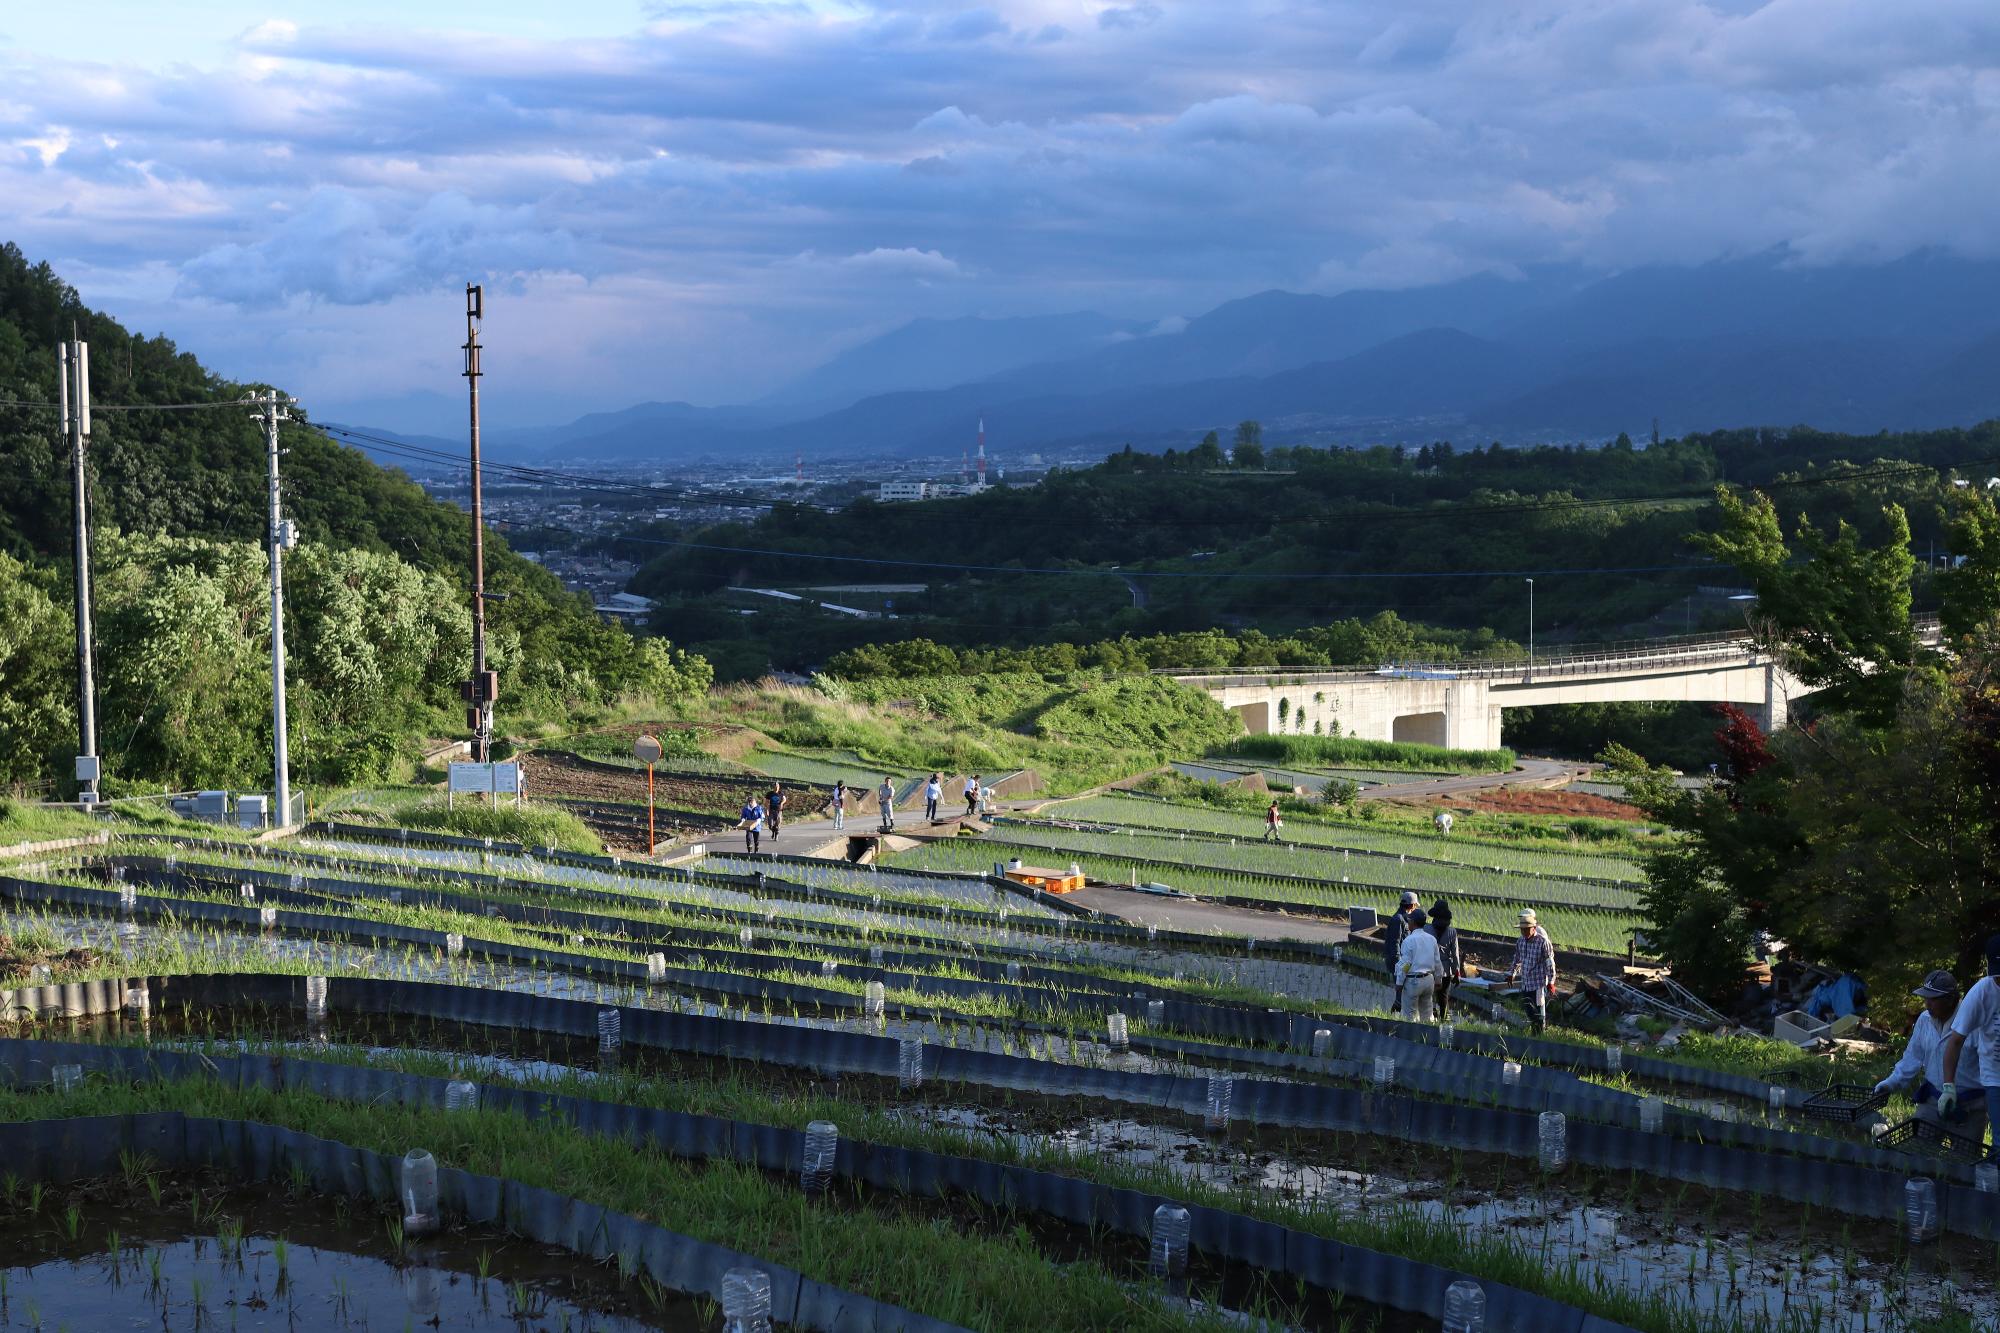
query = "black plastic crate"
x=1844 y=1102
x=1924 y=1137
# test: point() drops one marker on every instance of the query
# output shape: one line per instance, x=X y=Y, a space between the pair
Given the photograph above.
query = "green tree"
x=37 y=644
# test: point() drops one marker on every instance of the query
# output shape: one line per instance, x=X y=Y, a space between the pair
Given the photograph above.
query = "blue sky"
x=699 y=200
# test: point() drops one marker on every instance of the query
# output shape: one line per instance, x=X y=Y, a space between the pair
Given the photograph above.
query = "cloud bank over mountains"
x=720 y=195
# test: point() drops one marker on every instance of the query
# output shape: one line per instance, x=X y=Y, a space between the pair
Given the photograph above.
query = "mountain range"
x=1548 y=354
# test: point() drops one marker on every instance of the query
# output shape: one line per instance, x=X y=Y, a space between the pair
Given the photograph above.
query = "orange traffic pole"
x=649 y=809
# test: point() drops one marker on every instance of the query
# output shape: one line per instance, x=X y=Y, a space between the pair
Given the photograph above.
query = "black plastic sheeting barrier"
x=1870 y=1187
x=87 y=1147
x=1470 y=1075
x=1355 y=1271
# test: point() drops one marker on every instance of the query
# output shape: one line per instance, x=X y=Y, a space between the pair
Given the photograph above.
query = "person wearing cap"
x=1534 y=968
x=1417 y=972
x=1923 y=1058
x=1393 y=931
x=1975 y=1024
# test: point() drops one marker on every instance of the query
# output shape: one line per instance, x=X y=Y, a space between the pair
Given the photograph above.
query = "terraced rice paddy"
x=749 y=1001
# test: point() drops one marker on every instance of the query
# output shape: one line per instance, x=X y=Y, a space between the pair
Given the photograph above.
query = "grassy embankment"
x=1337 y=751
x=1076 y=731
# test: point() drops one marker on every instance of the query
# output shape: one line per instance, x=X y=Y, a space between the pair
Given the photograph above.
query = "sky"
x=701 y=200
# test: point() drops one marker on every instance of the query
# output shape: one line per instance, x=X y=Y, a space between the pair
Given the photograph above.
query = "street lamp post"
x=1531 y=627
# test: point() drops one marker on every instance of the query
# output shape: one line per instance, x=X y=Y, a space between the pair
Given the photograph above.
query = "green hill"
x=377 y=621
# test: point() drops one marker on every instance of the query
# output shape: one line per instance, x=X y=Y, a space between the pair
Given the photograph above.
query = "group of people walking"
x=1426 y=961
x=764 y=813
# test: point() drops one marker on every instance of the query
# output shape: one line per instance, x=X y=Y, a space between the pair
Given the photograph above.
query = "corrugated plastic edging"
x=1865 y=1190
x=60 y=1151
x=1333 y=1266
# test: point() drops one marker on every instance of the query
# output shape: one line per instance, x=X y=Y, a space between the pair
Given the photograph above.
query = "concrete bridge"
x=1460 y=704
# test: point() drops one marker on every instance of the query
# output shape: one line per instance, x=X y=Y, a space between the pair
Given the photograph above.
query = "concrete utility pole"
x=1531 y=628
x=283 y=535
x=482 y=689
x=73 y=357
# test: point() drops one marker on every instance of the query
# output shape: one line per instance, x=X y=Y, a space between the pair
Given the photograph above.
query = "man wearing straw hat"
x=1534 y=968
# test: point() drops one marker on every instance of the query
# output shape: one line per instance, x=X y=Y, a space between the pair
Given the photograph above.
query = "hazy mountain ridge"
x=1546 y=355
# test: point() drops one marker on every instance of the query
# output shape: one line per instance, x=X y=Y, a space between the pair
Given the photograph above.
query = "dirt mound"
x=1542 y=801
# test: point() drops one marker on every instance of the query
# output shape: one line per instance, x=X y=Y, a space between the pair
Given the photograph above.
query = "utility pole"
x=1531 y=628
x=484 y=685
x=282 y=535
x=73 y=357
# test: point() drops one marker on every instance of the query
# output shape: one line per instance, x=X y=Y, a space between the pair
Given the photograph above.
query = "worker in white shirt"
x=1923 y=1059
x=1976 y=1024
x=1417 y=971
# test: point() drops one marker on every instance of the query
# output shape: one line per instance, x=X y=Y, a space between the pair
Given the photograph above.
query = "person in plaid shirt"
x=1535 y=968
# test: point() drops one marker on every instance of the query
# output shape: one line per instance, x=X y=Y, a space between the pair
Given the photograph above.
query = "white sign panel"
x=507 y=779
x=471 y=777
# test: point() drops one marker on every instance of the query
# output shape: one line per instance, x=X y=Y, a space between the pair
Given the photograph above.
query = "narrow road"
x=1527 y=773
x=1147 y=909
x=1138 y=590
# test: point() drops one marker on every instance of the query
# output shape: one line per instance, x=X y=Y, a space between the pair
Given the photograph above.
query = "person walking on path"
x=775 y=804
x=1923 y=1058
x=972 y=796
x=1977 y=1023
x=752 y=825
x=1273 y=822
x=1535 y=968
x=885 y=796
x=933 y=793
x=839 y=803
x=1393 y=930
x=1417 y=972
x=1451 y=956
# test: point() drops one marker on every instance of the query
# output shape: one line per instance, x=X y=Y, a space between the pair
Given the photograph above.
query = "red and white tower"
x=982 y=453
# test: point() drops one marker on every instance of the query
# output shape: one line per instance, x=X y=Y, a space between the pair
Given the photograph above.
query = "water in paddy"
x=1777 y=1265
x=105 y=1257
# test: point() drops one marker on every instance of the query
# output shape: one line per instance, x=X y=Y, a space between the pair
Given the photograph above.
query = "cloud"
x=342 y=249
x=761 y=180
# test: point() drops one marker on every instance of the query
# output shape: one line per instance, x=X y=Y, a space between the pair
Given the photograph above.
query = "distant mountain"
x=1550 y=354
x=938 y=353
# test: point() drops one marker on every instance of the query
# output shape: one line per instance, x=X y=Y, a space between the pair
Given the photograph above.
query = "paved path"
x=1526 y=773
x=1147 y=909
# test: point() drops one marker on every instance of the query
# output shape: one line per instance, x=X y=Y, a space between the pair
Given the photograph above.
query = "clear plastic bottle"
x=128 y=899
x=316 y=999
x=1465 y=1307
x=454 y=944
x=1221 y=1090
x=461 y=1095
x=610 y=1025
x=1614 y=1057
x=1777 y=1098
x=1554 y=1141
x=873 y=1001
x=1510 y=1073
x=1013 y=971
x=816 y=1168
x=746 y=1301
x=138 y=1003
x=66 y=1078
x=1156 y=1013
x=1385 y=1071
x=1170 y=1241
x=746 y=937
x=656 y=968
x=875 y=955
x=827 y=967
x=1920 y=1213
x=1116 y=1034
x=420 y=1192
x=1322 y=1042
x=909 y=1063
x=1652 y=1115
